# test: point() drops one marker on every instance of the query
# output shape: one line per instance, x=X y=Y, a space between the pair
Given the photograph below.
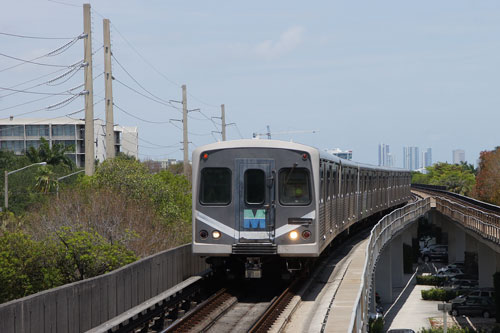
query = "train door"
x=256 y=206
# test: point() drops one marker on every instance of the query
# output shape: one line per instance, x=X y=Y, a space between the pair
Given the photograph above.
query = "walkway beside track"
x=345 y=299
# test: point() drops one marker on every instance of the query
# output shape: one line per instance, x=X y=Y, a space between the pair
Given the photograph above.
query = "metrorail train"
x=263 y=205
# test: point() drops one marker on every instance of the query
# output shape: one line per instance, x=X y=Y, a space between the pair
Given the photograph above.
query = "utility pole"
x=108 y=83
x=223 y=118
x=89 y=96
x=185 y=129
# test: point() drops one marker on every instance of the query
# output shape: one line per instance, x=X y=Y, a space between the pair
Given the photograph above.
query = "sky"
x=404 y=73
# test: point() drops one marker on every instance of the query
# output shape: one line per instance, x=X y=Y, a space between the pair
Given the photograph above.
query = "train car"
x=263 y=205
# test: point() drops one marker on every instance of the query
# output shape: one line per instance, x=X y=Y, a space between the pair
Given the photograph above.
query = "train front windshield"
x=294 y=186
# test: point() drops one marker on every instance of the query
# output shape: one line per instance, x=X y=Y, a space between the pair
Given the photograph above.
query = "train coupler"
x=253 y=268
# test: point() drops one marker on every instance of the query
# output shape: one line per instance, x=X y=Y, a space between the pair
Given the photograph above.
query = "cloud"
x=288 y=41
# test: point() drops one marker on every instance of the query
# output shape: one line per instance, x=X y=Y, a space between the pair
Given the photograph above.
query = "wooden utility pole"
x=89 y=97
x=185 y=129
x=223 y=118
x=108 y=83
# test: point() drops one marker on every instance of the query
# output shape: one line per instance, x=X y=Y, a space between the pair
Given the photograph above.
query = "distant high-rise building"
x=427 y=158
x=384 y=155
x=345 y=154
x=391 y=160
x=458 y=156
x=411 y=158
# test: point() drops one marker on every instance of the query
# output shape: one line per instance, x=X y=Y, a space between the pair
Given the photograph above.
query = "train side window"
x=328 y=180
x=294 y=186
x=215 y=186
x=335 y=180
x=255 y=186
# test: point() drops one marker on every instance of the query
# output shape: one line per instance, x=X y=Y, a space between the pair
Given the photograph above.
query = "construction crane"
x=258 y=135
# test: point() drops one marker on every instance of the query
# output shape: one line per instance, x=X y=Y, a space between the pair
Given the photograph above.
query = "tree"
x=458 y=178
x=46 y=181
x=26 y=266
x=84 y=254
x=488 y=177
x=54 y=155
x=167 y=192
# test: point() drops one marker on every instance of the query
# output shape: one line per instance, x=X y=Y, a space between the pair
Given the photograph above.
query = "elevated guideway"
x=472 y=233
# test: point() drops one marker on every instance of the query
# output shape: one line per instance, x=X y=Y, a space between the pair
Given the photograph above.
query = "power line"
x=159 y=155
x=141 y=119
x=57 y=51
x=32 y=62
x=143 y=58
x=160 y=146
x=52 y=107
x=64 y=3
x=145 y=96
x=140 y=85
x=71 y=72
x=37 y=78
x=38 y=92
x=33 y=37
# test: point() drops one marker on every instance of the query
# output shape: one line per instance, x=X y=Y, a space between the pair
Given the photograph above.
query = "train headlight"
x=203 y=234
x=293 y=235
x=306 y=234
x=216 y=234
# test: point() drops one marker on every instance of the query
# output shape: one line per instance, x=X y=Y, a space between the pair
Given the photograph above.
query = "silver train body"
x=258 y=200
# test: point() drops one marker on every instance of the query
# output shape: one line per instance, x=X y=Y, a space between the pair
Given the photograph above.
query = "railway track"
x=253 y=306
x=441 y=191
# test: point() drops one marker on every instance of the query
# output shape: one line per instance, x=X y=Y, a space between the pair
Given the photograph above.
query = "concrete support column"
x=406 y=236
x=383 y=275
x=487 y=262
x=397 y=261
x=456 y=243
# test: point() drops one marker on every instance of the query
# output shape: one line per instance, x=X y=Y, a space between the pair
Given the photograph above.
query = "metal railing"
x=381 y=234
x=486 y=224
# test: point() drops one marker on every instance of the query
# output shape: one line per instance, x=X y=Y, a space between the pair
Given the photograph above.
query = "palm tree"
x=53 y=156
x=46 y=180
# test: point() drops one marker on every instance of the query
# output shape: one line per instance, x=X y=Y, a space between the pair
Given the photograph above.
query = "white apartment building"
x=19 y=134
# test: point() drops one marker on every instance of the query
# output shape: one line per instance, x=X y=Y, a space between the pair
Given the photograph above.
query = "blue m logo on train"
x=254 y=219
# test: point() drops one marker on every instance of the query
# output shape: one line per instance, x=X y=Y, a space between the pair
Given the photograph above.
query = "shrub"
x=26 y=266
x=438 y=294
x=376 y=326
x=83 y=254
x=429 y=280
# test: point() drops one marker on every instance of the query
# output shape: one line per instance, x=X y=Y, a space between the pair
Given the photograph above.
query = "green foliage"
x=170 y=194
x=429 y=280
x=376 y=326
x=85 y=254
x=438 y=294
x=458 y=178
x=496 y=285
x=55 y=155
x=488 y=178
x=26 y=266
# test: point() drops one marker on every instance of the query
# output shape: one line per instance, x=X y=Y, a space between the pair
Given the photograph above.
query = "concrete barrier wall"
x=82 y=305
x=381 y=234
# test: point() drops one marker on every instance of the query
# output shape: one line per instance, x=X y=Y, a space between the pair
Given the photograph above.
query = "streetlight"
x=61 y=178
x=6 y=184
